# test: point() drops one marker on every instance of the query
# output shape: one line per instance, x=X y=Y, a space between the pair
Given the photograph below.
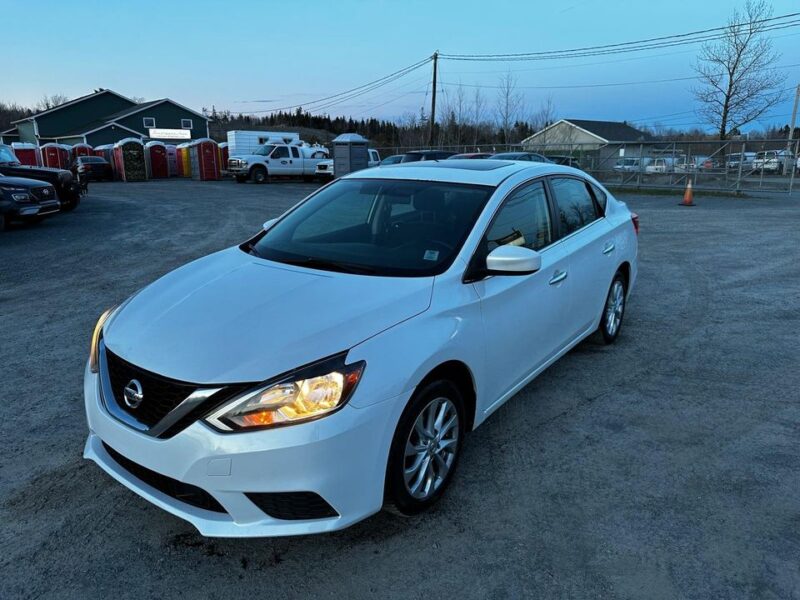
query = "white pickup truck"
x=277 y=160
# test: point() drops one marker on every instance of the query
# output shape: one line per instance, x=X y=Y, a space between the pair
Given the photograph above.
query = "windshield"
x=264 y=150
x=7 y=155
x=377 y=227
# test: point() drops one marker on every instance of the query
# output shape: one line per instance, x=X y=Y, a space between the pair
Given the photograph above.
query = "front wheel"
x=426 y=447
x=614 y=310
x=259 y=175
x=71 y=205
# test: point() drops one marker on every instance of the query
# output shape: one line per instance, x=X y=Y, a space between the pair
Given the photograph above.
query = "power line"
x=637 y=45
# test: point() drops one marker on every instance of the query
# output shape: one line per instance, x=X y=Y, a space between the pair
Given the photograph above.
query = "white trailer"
x=244 y=142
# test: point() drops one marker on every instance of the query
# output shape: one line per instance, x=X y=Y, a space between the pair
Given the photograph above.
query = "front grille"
x=44 y=193
x=292 y=506
x=185 y=492
x=161 y=394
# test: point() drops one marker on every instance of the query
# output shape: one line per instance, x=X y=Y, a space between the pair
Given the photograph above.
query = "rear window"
x=574 y=203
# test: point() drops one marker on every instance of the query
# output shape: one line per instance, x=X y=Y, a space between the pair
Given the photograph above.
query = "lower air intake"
x=293 y=506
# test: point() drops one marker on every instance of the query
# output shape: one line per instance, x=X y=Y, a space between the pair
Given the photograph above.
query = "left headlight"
x=94 y=359
x=306 y=394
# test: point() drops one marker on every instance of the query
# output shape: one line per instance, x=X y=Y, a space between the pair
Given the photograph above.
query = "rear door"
x=296 y=162
x=588 y=240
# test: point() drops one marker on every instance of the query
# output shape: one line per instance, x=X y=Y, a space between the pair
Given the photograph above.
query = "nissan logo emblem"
x=133 y=393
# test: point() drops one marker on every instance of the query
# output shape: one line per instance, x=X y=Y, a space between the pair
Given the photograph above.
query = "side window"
x=295 y=152
x=600 y=195
x=574 y=204
x=523 y=220
x=280 y=152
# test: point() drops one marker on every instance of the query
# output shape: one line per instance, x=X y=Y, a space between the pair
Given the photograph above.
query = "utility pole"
x=787 y=163
x=433 y=99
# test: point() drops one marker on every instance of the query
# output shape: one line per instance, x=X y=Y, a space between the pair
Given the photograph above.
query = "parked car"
x=746 y=159
x=92 y=168
x=67 y=189
x=529 y=156
x=567 y=161
x=771 y=161
x=337 y=360
x=417 y=155
x=661 y=165
x=472 y=155
x=688 y=164
x=277 y=160
x=24 y=199
x=632 y=165
x=392 y=160
x=325 y=167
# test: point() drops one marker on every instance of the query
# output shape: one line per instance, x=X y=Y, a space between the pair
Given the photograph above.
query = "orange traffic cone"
x=688 y=195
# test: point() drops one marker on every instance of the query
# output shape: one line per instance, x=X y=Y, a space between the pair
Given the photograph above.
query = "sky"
x=248 y=56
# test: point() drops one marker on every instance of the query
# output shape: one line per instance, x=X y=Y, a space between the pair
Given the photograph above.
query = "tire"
x=71 y=205
x=259 y=175
x=241 y=179
x=426 y=484
x=614 y=309
x=4 y=220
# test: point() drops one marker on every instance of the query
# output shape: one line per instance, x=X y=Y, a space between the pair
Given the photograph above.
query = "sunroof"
x=468 y=164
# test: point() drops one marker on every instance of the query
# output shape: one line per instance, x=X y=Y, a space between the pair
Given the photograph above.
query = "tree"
x=509 y=104
x=545 y=115
x=48 y=102
x=738 y=82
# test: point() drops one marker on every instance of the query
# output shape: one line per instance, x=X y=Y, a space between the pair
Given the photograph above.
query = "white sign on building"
x=170 y=134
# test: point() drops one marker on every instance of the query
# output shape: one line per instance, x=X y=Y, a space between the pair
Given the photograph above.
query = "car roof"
x=477 y=172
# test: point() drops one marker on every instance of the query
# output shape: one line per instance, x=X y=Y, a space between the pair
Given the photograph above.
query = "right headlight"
x=303 y=395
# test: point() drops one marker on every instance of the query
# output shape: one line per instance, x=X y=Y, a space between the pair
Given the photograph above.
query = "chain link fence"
x=718 y=165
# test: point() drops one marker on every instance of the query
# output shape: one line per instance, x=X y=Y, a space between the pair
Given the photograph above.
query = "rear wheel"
x=258 y=175
x=614 y=309
x=426 y=447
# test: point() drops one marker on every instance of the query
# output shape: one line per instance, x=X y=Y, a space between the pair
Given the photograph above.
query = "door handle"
x=609 y=248
x=558 y=277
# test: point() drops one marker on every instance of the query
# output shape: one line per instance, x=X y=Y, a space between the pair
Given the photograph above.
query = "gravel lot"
x=665 y=466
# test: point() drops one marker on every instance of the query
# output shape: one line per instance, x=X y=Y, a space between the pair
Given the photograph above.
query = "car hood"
x=231 y=317
x=41 y=173
x=20 y=182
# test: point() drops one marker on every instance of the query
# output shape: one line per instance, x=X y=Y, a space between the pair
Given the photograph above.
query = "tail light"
x=635 y=221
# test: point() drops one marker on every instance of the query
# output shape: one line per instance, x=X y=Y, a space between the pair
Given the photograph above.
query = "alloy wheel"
x=615 y=305
x=431 y=448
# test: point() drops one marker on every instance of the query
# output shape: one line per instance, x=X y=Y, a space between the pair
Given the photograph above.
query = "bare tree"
x=738 y=83
x=545 y=115
x=509 y=104
x=478 y=113
x=48 y=102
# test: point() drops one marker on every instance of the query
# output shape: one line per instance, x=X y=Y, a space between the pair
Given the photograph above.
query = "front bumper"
x=238 y=170
x=341 y=457
x=38 y=210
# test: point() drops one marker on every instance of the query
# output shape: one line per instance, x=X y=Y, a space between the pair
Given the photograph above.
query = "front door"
x=523 y=314
x=280 y=161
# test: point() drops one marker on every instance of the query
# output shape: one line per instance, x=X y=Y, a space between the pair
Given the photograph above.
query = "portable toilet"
x=172 y=160
x=55 y=155
x=350 y=153
x=205 y=159
x=184 y=160
x=155 y=160
x=27 y=154
x=223 y=157
x=129 y=160
x=81 y=150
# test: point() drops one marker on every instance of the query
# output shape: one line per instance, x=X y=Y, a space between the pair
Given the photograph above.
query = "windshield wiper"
x=328 y=265
x=250 y=248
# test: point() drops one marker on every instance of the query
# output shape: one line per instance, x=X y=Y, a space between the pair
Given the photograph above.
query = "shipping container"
x=129 y=160
x=155 y=157
x=27 y=154
x=244 y=142
x=205 y=159
x=55 y=155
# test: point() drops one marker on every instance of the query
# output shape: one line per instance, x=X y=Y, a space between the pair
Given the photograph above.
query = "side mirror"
x=268 y=224
x=513 y=260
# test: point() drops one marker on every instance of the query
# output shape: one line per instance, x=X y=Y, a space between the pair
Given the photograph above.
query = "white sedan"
x=336 y=362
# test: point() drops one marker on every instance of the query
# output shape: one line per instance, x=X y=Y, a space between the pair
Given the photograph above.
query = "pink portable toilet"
x=55 y=155
x=81 y=150
x=27 y=154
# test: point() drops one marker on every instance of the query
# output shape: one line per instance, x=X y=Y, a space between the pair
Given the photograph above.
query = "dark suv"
x=25 y=200
x=67 y=189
